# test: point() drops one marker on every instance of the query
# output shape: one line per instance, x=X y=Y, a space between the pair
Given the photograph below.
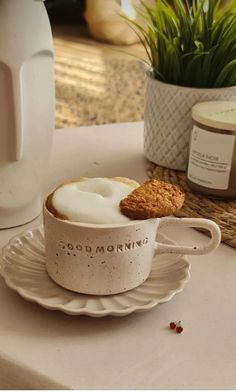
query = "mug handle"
x=207 y=224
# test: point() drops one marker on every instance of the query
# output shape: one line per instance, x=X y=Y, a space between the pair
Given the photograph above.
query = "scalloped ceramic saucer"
x=23 y=268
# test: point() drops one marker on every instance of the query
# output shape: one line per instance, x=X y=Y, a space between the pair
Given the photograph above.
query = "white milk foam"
x=93 y=200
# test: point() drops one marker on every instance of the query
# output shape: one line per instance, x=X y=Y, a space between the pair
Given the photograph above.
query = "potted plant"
x=191 y=47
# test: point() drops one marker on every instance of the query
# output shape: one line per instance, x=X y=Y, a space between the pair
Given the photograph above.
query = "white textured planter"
x=168 y=121
x=27 y=102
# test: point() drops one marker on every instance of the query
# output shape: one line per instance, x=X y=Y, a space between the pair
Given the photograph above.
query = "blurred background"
x=99 y=73
x=66 y=11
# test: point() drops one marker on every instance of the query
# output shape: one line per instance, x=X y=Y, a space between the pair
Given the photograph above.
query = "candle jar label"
x=210 y=158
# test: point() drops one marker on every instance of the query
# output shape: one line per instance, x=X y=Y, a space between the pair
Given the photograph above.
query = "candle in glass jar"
x=212 y=150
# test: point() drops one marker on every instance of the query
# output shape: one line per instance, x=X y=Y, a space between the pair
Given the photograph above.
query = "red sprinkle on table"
x=177 y=326
x=172 y=325
x=179 y=329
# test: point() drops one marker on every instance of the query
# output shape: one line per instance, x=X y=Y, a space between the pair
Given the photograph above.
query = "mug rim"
x=95 y=225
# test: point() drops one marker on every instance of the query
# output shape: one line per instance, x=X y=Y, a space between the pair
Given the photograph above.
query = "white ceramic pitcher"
x=27 y=106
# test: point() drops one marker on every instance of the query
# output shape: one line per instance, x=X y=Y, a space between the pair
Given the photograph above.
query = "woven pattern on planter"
x=199 y=206
x=168 y=120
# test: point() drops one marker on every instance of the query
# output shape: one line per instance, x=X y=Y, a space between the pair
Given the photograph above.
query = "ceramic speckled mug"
x=104 y=259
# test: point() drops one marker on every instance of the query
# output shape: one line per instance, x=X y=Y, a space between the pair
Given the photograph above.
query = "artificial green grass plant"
x=190 y=43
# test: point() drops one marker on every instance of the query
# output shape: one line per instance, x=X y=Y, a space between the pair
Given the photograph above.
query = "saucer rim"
x=85 y=310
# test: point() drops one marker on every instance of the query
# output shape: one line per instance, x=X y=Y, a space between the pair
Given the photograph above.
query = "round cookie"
x=153 y=199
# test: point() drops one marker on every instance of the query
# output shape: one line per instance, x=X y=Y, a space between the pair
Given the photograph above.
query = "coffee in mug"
x=93 y=248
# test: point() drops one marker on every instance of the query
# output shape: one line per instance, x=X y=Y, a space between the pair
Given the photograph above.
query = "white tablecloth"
x=42 y=349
